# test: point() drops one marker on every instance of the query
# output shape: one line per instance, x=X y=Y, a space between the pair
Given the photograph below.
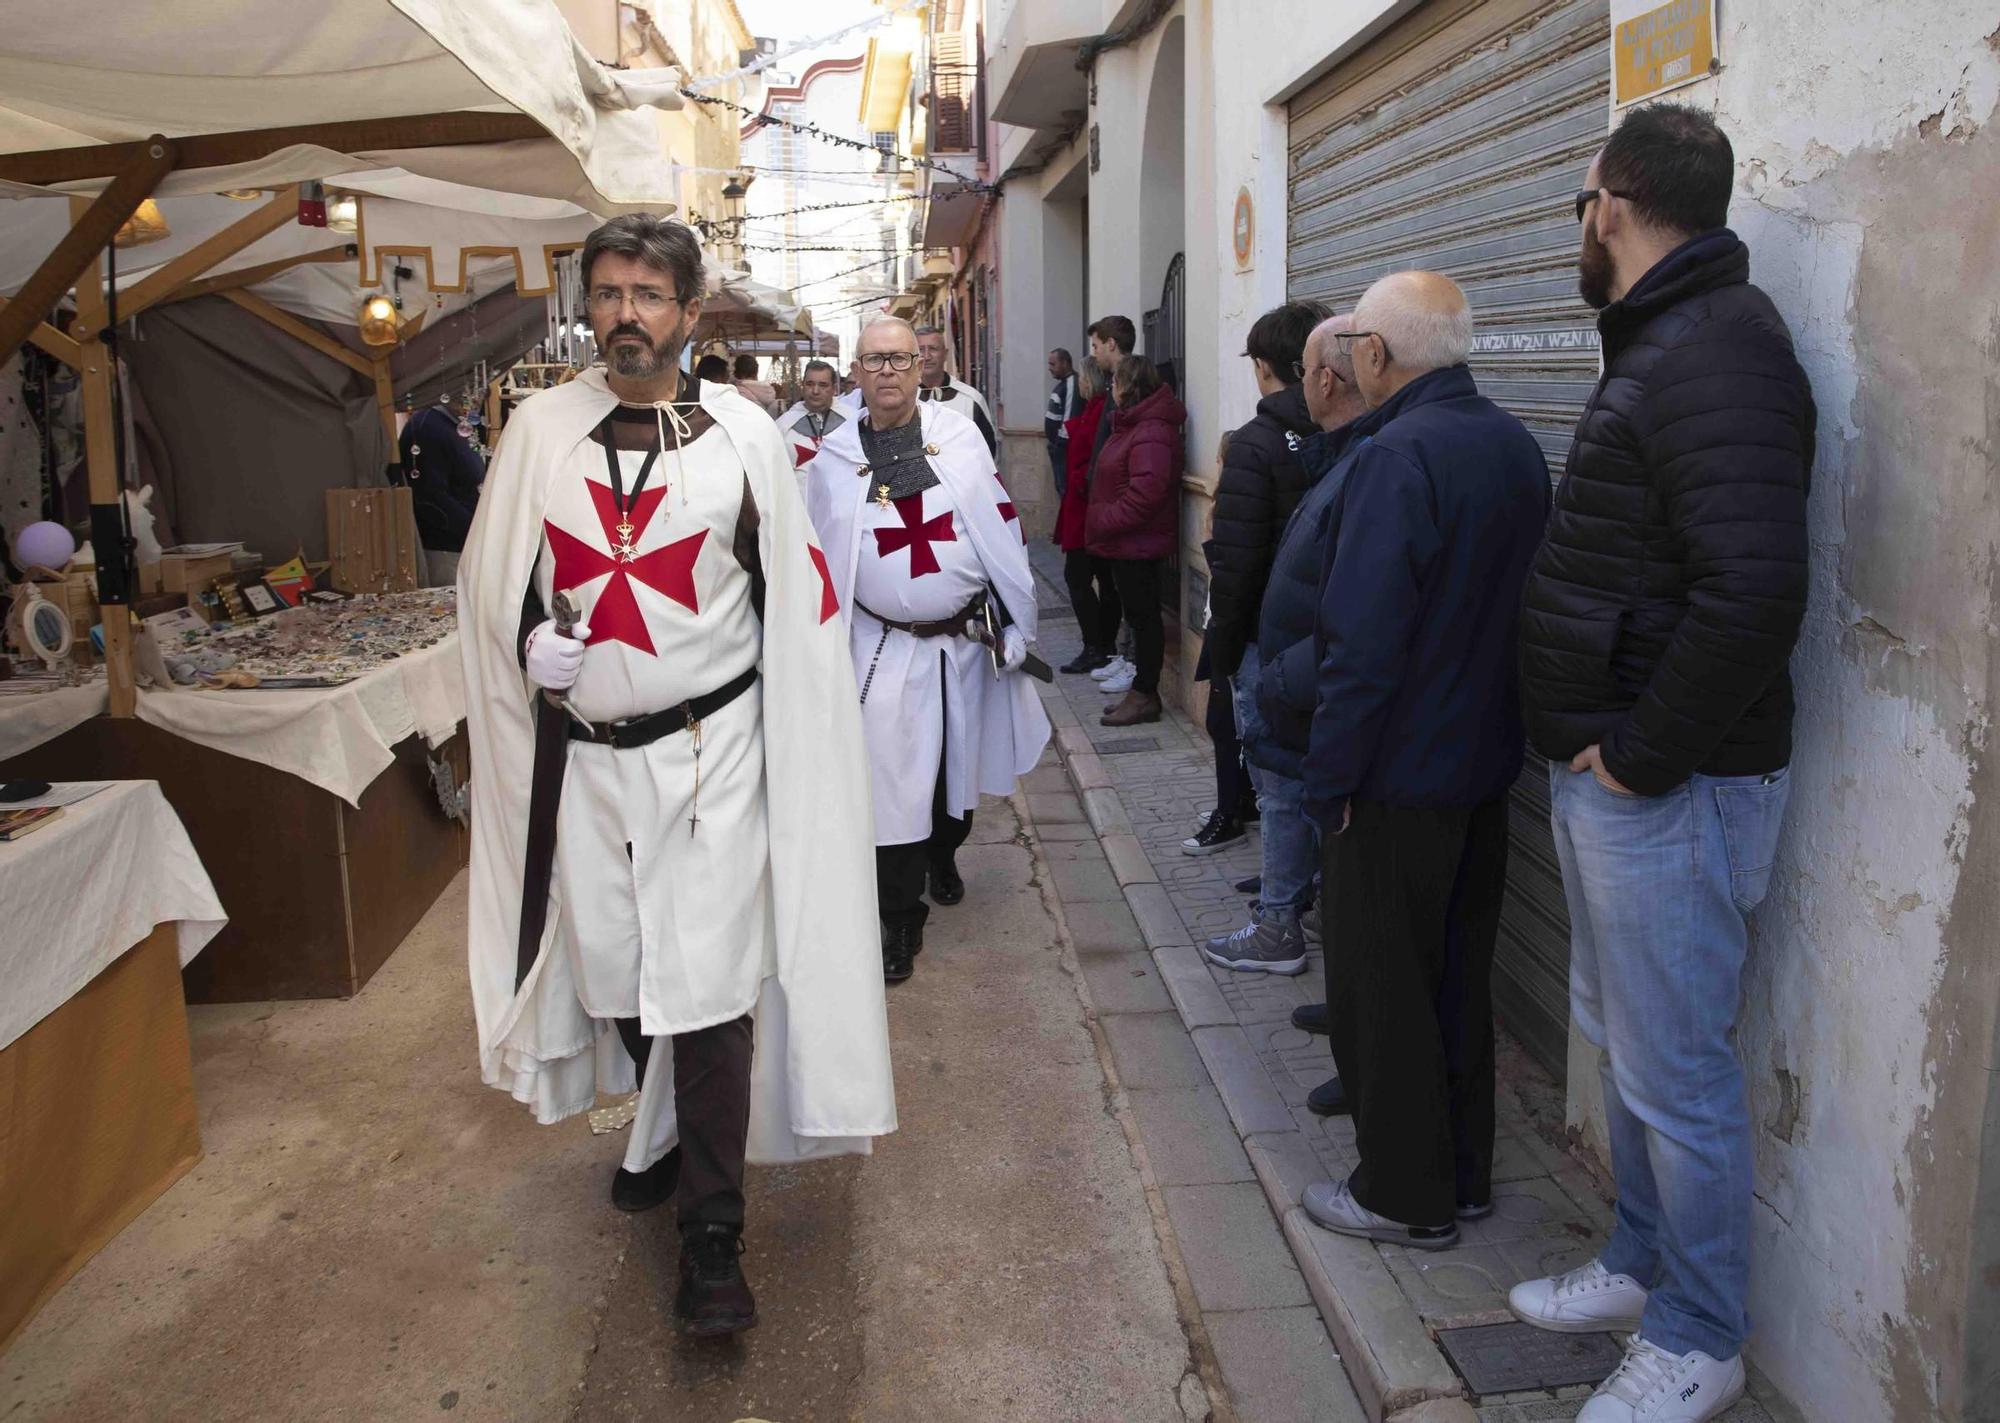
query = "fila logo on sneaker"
x=1690 y=1391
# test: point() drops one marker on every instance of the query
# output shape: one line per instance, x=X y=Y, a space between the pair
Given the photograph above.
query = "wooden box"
x=371 y=537
x=184 y=573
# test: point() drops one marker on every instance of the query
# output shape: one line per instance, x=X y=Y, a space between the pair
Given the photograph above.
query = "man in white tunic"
x=807 y=424
x=932 y=575
x=936 y=384
x=663 y=735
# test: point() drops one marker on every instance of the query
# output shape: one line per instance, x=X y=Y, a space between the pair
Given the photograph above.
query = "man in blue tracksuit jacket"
x=1415 y=740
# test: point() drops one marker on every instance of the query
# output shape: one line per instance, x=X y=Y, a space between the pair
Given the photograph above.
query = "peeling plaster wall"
x=1867 y=174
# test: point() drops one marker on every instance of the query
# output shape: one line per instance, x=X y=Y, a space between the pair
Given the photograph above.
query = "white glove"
x=554 y=660
x=1013 y=649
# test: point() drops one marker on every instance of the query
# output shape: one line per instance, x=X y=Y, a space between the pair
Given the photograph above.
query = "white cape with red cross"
x=820 y=1082
x=995 y=728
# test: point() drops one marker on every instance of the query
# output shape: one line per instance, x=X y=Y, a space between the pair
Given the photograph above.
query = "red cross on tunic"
x=829 y=603
x=917 y=535
x=615 y=617
x=1006 y=507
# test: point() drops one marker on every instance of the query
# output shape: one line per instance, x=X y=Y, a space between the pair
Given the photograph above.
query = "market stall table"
x=104 y=906
x=315 y=809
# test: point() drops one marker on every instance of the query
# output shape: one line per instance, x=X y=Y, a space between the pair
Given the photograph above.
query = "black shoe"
x=1253 y=885
x=1476 y=1210
x=1329 y=1099
x=642 y=1190
x=1247 y=813
x=946 y=885
x=1217 y=834
x=901 y=943
x=714 y=1298
x=1310 y=1018
x=1088 y=660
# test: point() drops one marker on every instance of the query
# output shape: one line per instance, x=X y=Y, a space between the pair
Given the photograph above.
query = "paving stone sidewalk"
x=1143 y=790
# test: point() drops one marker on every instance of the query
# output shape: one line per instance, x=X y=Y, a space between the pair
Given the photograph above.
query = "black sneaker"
x=1253 y=885
x=714 y=1298
x=1218 y=834
x=1088 y=660
x=642 y=1190
x=947 y=887
x=1310 y=1018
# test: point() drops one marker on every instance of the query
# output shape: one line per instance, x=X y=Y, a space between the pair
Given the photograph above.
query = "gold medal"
x=881 y=496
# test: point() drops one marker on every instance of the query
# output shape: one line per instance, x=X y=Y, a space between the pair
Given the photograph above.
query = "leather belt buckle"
x=614 y=733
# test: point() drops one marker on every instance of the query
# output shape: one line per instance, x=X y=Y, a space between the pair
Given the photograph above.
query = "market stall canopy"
x=514 y=99
x=740 y=305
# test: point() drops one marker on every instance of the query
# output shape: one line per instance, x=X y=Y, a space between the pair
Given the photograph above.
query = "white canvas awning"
x=105 y=72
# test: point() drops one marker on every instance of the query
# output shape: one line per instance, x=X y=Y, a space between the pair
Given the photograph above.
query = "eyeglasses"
x=647 y=301
x=1352 y=336
x=1305 y=372
x=1585 y=195
x=893 y=360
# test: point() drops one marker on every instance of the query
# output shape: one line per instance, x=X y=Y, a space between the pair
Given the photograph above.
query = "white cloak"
x=994 y=727
x=820 y=1079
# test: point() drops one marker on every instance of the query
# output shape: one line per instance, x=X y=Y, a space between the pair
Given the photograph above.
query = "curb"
x=1395 y=1366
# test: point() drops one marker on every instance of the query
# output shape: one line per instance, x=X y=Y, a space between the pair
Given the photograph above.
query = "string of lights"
x=816 y=132
x=883 y=260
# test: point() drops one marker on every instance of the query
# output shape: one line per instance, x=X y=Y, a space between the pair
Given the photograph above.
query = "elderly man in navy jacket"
x=1415 y=741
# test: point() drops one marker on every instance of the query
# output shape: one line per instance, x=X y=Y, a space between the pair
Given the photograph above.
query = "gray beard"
x=641 y=362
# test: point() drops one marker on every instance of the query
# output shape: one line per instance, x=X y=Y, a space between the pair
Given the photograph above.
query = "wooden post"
x=107 y=480
x=385 y=403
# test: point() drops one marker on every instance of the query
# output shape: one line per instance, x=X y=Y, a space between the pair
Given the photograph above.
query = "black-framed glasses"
x=893 y=360
x=1585 y=195
x=1352 y=336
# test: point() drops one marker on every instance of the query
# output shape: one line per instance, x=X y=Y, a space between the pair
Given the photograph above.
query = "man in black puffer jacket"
x=1655 y=631
x=1262 y=481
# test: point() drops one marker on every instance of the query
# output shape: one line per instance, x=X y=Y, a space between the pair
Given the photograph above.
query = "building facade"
x=1191 y=164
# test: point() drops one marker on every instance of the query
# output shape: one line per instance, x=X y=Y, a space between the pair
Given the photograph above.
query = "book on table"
x=16 y=823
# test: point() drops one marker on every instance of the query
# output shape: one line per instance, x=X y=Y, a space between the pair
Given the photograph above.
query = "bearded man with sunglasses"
x=1655 y=635
x=932 y=576
x=669 y=872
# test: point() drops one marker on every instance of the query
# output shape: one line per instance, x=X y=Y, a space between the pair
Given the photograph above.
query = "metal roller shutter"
x=1453 y=142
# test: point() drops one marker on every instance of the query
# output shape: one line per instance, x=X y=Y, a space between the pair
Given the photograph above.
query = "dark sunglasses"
x=1584 y=195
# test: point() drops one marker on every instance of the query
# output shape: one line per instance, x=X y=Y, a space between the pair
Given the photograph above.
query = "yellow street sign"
x=1660 y=47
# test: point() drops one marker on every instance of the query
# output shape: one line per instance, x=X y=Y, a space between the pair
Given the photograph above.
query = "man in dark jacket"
x=1415 y=742
x=1655 y=633
x=444 y=473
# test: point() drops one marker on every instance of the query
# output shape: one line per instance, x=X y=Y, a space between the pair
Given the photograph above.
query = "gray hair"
x=927 y=330
x=1422 y=317
x=1321 y=349
x=660 y=243
x=826 y=366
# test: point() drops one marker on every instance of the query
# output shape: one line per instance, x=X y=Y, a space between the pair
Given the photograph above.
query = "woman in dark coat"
x=1088 y=579
x=1133 y=519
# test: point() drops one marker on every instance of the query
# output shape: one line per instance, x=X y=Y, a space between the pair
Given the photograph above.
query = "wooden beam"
x=52 y=341
x=250 y=276
x=218 y=150
x=299 y=331
x=412 y=326
x=385 y=402
x=159 y=285
x=100 y=444
x=94 y=224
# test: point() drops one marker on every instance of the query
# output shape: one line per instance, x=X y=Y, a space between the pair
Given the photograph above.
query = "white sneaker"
x=1121 y=684
x=1587 y=1300
x=1653 y=1386
x=1117 y=666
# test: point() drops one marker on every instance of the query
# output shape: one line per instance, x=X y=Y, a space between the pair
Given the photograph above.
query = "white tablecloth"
x=339 y=738
x=27 y=719
x=78 y=893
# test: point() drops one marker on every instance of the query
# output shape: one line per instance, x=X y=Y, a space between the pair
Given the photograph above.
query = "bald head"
x=1330 y=393
x=886 y=333
x=1416 y=322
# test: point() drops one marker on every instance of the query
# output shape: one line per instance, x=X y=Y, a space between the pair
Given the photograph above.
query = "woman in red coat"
x=1134 y=518
x=1089 y=579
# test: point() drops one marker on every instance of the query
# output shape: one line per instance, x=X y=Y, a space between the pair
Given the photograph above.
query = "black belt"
x=628 y=732
x=953 y=626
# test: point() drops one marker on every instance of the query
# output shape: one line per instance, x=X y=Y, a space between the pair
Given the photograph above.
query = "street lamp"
x=733 y=194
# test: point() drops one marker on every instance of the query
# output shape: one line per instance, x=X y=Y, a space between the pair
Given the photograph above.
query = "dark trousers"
x=1094 y=597
x=1416 y=894
x=1059 y=464
x=712 y=1107
x=1138 y=584
x=1232 y=782
x=901 y=870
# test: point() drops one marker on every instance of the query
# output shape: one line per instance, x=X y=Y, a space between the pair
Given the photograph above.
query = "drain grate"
x=1126 y=745
x=1517 y=1358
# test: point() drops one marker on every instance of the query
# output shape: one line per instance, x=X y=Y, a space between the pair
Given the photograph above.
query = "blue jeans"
x=1291 y=845
x=1660 y=890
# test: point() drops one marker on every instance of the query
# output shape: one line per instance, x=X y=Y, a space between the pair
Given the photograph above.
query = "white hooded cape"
x=998 y=733
x=820 y=1082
